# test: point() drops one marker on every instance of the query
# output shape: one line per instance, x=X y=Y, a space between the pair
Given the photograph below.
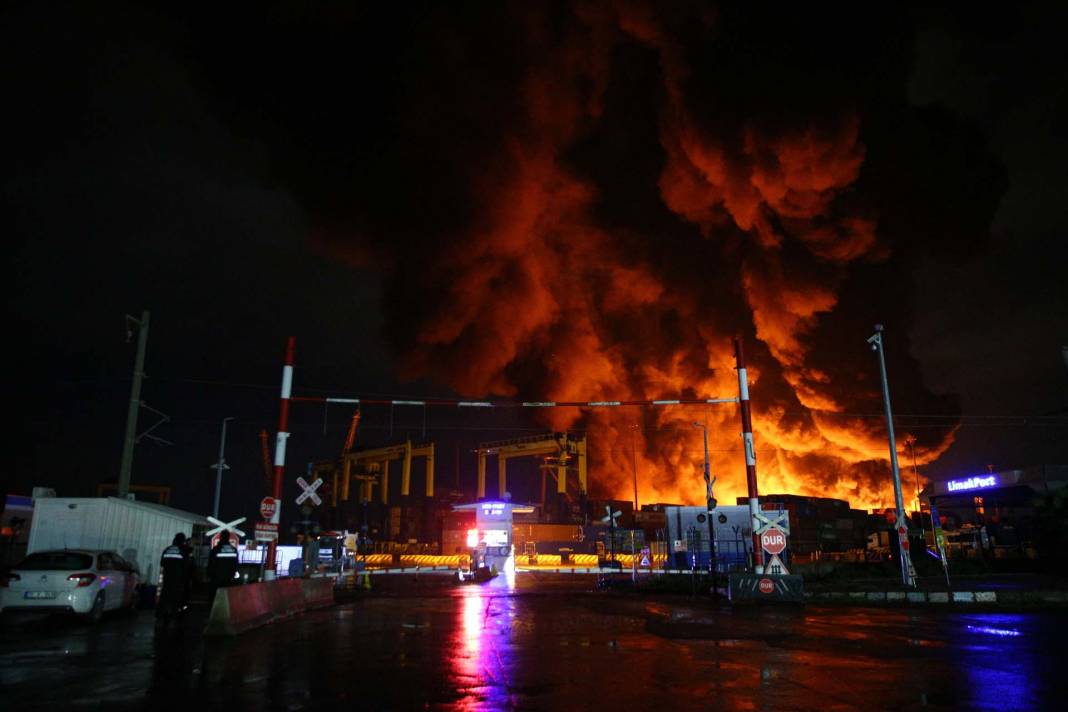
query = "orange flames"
x=542 y=297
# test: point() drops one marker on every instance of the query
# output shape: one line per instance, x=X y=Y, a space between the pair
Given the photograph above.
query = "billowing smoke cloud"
x=587 y=203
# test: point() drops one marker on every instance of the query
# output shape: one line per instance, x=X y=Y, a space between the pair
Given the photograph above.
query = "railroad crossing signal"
x=778 y=520
x=229 y=527
x=775 y=566
x=266 y=531
x=309 y=491
x=773 y=541
x=234 y=541
x=709 y=497
x=611 y=517
x=268 y=509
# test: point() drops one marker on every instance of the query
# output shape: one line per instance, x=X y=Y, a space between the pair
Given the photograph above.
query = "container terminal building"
x=1001 y=508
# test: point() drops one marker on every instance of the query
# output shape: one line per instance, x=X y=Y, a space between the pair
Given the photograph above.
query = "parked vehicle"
x=81 y=581
x=138 y=531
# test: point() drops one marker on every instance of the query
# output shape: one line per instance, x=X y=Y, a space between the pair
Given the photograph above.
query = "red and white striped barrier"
x=280 y=444
x=510 y=404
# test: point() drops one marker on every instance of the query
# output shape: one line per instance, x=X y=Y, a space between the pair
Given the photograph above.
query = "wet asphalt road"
x=548 y=645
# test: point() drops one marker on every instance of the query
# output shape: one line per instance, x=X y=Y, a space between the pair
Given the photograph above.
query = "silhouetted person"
x=222 y=567
x=176 y=565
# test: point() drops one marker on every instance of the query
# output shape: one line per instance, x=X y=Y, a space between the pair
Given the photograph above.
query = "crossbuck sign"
x=611 y=517
x=773 y=520
x=309 y=491
x=227 y=526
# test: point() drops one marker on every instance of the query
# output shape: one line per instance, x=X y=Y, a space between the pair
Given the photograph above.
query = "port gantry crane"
x=559 y=449
x=371 y=467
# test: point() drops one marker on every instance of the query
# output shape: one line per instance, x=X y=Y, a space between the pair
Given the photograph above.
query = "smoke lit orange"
x=539 y=296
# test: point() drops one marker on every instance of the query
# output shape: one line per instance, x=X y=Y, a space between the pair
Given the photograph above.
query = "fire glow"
x=752 y=221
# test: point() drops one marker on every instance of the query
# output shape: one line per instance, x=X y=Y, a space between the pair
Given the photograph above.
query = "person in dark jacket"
x=176 y=566
x=222 y=567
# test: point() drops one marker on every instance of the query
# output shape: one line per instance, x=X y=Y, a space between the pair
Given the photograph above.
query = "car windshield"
x=56 y=561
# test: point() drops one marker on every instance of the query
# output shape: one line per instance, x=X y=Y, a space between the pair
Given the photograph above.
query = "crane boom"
x=350 y=438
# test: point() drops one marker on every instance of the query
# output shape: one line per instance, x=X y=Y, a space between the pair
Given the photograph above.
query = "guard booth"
x=490 y=542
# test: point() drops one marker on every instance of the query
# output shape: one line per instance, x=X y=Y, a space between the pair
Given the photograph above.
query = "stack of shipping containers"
x=819 y=524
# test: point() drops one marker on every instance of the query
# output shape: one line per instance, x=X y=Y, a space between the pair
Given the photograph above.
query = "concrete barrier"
x=317 y=592
x=240 y=608
x=766 y=587
x=960 y=599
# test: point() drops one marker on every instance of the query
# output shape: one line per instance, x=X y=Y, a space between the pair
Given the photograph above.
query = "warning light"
x=472 y=538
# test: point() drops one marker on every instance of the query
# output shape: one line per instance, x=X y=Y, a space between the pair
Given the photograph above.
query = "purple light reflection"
x=482 y=663
x=1000 y=632
x=999 y=664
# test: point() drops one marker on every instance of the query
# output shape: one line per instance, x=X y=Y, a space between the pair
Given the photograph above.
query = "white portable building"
x=687 y=531
x=138 y=531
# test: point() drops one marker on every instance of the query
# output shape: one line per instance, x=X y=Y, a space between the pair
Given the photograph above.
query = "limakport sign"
x=972 y=483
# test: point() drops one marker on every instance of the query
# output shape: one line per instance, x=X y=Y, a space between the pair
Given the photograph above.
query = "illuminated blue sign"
x=972 y=483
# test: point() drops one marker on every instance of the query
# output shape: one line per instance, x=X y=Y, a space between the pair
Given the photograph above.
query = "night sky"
x=526 y=201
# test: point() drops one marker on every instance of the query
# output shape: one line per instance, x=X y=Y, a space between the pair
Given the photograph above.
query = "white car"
x=78 y=581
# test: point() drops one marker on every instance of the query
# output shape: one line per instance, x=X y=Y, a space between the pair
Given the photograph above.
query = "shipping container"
x=522 y=533
x=138 y=531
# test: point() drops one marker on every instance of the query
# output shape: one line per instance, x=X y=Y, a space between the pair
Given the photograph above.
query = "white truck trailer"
x=138 y=531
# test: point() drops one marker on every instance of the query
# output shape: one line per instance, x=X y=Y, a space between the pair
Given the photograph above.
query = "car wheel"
x=97 y=611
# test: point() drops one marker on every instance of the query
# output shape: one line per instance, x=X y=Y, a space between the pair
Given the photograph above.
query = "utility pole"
x=710 y=500
x=908 y=574
x=219 y=467
x=135 y=400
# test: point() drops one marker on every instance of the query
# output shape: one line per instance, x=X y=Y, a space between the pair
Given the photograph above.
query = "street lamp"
x=910 y=440
x=634 y=464
x=219 y=467
x=711 y=505
x=908 y=574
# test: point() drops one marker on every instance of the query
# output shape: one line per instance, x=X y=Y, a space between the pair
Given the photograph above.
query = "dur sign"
x=773 y=541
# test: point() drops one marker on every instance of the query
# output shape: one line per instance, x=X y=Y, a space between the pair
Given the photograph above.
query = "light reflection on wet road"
x=488 y=648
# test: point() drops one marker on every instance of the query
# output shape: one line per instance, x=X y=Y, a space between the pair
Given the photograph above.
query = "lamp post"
x=911 y=441
x=634 y=464
x=711 y=505
x=908 y=574
x=219 y=467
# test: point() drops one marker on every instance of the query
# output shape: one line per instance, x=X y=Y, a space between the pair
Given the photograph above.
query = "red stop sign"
x=773 y=541
x=234 y=540
x=766 y=585
x=268 y=506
